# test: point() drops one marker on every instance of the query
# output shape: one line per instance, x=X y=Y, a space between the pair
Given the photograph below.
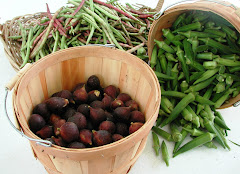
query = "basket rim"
x=104 y=147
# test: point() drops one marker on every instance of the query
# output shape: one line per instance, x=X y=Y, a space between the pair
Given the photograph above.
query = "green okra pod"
x=211 y=128
x=221 y=123
x=178 y=20
x=205 y=56
x=163 y=76
x=176 y=94
x=210 y=65
x=186 y=115
x=223 y=98
x=184 y=86
x=178 y=108
x=162 y=133
x=164 y=46
x=176 y=134
x=200 y=85
x=195 y=118
x=163 y=61
x=184 y=135
x=180 y=76
x=202 y=48
x=156 y=144
x=220 y=87
x=200 y=107
x=174 y=73
x=216 y=32
x=227 y=62
x=153 y=60
x=180 y=55
x=195 y=76
x=198 y=141
x=188 y=50
x=231 y=56
x=190 y=34
x=165 y=154
x=170 y=57
x=228 y=31
x=210 y=145
x=192 y=26
x=194 y=131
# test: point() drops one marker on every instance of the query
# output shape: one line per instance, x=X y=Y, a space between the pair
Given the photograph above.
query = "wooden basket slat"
x=110 y=74
x=53 y=77
x=66 y=68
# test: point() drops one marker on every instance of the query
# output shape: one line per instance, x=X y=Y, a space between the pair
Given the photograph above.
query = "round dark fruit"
x=76 y=145
x=137 y=116
x=36 y=122
x=101 y=137
x=69 y=132
x=108 y=126
x=117 y=137
x=93 y=82
x=134 y=127
x=85 y=137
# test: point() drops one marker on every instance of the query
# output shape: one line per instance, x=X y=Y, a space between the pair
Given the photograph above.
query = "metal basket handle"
x=157 y=15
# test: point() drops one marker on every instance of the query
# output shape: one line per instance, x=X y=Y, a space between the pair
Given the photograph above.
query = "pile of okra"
x=198 y=68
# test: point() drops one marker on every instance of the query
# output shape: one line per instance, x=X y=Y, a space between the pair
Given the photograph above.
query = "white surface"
x=16 y=155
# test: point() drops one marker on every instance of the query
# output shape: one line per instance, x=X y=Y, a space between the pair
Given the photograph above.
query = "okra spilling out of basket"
x=89 y=116
x=85 y=22
x=198 y=66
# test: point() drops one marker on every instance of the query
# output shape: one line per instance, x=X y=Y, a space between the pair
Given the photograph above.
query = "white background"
x=16 y=155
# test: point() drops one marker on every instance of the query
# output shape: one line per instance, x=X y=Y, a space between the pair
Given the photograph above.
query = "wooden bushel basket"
x=221 y=8
x=63 y=70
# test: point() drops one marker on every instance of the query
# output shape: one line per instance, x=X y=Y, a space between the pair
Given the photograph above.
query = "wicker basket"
x=63 y=70
x=11 y=28
x=225 y=10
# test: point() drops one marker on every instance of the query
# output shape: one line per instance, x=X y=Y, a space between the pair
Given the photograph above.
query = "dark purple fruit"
x=41 y=109
x=64 y=94
x=116 y=103
x=112 y=91
x=59 y=141
x=137 y=116
x=45 y=132
x=76 y=145
x=69 y=132
x=134 y=127
x=97 y=115
x=124 y=97
x=36 y=122
x=56 y=104
x=84 y=109
x=85 y=137
x=57 y=125
x=97 y=104
x=93 y=82
x=108 y=126
x=80 y=95
x=109 y=117
x=101 y=137
x=132 y=104
x=107 y=100
x=116 y=137
x=122 y=129
x=54 y=118
x=122 y=113
x=94 y=95
x=69 y=113
x=79 y=119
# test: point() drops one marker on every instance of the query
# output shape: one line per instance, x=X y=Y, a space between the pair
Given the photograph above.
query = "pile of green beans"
x=198 y=67
x=87 y=22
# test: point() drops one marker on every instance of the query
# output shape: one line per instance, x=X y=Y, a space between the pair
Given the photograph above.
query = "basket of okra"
x=194 y=49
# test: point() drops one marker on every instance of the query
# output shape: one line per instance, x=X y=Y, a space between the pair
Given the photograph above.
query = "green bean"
x=162 y=133
x=206 y=75
x=180 y=55
x=153 y=60
x=178 y=108
x=56 y=42
x=165 y=154
x=198 y=141
x=15 y=37
x=164 y=46
x=176 y=134
x=118 y=34
x=114 y=17
x=26 y=58
x=156 y=145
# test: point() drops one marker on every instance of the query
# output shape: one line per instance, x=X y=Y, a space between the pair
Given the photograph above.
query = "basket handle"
x=157 y=15
x=9 y=87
